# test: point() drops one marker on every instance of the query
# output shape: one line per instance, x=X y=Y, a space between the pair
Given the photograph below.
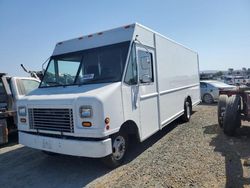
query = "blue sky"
x=218 y=30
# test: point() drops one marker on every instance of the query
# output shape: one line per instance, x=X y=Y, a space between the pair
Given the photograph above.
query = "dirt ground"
x=194 y=154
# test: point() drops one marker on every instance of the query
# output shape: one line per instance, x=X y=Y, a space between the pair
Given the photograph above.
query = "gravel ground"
x=194 y=154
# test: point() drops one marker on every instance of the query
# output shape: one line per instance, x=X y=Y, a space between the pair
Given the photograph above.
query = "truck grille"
x=51 y=119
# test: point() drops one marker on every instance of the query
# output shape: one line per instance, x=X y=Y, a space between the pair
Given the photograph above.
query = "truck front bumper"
x=94 y=149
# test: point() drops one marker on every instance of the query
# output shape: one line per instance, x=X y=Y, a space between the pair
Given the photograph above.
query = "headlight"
x=85 y=111
x=22 y=111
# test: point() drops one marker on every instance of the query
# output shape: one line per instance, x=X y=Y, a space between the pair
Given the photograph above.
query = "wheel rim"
x=208 y=98
x=188 y=110
x=119 y=147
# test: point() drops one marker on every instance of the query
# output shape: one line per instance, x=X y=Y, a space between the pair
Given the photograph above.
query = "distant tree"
x=218 y=74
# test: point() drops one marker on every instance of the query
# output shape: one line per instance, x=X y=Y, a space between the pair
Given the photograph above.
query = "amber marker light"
x=107 y=121
x=86 y=124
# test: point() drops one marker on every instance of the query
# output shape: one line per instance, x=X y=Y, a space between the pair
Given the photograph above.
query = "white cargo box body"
x=167 y=75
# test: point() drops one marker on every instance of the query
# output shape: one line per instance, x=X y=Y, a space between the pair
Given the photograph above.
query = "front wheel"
x=119 y=149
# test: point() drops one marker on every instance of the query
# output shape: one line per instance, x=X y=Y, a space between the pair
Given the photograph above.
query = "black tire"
x=4 y=131
x=187 y=111
x=232 y=119
x=119 y=146
x=221 y=108
x=208 y=98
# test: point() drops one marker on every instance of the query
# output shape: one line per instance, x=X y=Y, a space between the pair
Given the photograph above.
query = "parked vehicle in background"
x=236 y=80
x=233 y=107
x=101 y=89
x=11 y=90
x=210 y=90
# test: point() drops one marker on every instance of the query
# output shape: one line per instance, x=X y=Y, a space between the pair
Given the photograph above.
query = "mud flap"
x=3 y=131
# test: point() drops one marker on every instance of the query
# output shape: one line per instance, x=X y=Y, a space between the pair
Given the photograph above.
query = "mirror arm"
x=136 y=39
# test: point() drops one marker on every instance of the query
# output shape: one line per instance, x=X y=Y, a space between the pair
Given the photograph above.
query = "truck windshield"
x=98 y=65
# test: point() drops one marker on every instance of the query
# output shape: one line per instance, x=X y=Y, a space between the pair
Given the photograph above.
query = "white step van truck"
x=99 y=90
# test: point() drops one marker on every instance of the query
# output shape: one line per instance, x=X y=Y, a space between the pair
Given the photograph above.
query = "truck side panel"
x=177 y=76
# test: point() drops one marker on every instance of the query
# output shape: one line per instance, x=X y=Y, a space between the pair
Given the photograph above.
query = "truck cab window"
x=131 y=73
x=145 y=62
x=25 y=86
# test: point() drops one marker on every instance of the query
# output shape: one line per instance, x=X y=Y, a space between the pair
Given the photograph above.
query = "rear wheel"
x=119 y=149
x=208 y=98
x=222 y=103
x=187 y=111
x=232 y=119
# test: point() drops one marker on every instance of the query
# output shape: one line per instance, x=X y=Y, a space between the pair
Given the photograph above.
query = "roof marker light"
x=90 y=36
x=100 y=33
x=59 y=43
x=80 y=38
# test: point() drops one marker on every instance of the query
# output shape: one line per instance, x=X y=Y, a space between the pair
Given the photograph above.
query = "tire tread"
x=232 y=119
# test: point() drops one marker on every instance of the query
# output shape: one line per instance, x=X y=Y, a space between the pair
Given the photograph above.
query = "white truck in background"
x=99 y=90
x=11 y=90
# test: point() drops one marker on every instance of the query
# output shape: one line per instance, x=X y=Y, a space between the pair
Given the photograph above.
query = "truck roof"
x=107 y=37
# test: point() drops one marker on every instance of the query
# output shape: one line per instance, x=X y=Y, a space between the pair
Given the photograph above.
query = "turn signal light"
x=107 y=127
x=107 y=120
x=86 y=124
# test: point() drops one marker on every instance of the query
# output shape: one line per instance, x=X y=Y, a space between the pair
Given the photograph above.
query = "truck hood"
x=69 y=94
